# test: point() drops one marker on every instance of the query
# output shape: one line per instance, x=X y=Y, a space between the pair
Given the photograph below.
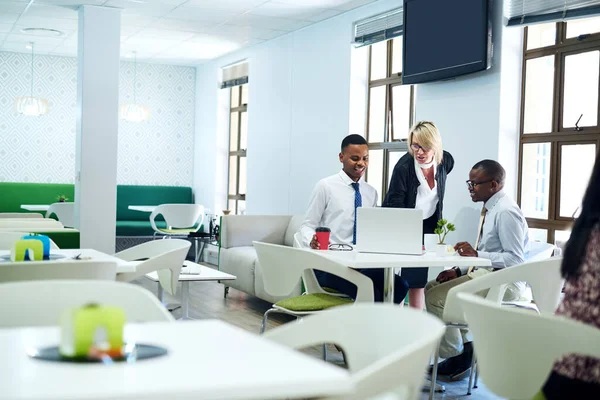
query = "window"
x=560 y=131
x=390 y=112
x=238 y=143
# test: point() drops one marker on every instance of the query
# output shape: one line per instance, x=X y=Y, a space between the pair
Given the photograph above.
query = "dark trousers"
x=349 y=289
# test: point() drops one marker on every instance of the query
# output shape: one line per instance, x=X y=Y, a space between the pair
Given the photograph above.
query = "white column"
x=97 y=126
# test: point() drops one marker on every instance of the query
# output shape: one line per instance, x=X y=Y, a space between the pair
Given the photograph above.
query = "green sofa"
x=129 y=222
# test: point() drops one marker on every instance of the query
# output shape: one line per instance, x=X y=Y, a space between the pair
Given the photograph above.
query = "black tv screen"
x=444 y=39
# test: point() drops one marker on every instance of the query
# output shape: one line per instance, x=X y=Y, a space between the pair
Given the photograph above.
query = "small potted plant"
x=443 y=227
x=62 y=198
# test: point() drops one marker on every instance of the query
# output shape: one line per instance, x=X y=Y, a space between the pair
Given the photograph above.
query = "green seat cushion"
x=138 y=195
x=67 y=239
x=13 y=194
x=137 y=228
x=313 y=302
x=180 y=231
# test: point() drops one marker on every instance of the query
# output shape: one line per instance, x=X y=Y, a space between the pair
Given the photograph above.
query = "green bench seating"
x=129 y=222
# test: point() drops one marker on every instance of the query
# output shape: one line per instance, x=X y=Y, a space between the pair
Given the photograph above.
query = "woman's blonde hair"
x=427 y=135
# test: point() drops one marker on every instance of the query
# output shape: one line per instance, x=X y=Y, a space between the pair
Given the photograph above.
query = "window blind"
x=234 y=75
x=379 y=27
x=527 y=12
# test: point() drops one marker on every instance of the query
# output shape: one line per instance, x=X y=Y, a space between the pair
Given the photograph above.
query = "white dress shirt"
x=427 y=198
x=332 y=205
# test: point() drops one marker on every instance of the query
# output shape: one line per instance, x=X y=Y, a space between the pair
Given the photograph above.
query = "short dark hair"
x=493 y=169
x=352 y=139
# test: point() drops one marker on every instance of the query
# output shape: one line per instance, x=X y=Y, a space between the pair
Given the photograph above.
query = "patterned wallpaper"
x=42 y=149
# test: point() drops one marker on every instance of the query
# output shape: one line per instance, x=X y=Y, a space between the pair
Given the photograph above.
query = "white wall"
x=42 y=149
x=299 y=92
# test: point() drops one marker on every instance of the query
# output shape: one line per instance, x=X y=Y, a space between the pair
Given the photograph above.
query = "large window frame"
x=238 y=110
x=389 y=145
x=558 y=135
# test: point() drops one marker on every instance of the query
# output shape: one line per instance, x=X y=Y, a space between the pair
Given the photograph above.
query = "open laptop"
x=389 y=230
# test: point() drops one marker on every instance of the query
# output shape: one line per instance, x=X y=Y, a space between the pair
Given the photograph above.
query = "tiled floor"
x=206 y=301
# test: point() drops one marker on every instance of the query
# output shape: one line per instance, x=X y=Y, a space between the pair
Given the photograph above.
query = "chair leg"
x=436 y=359
x=225 y=291
x=324 y=351
x=263 y=325
x=473 y=366
x=476 y=375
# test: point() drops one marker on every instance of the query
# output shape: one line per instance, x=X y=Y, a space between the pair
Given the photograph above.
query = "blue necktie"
x=357 y=203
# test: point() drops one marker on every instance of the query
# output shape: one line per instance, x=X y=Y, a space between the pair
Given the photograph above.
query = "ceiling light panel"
x=185 y=26
x=45 y=11
x=71 y=3
x=202 y=14
x=226 y=5
x=262 y=21
x=156 y=9
x=293 y=11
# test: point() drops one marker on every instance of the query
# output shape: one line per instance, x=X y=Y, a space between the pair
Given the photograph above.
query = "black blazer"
x=402 y=192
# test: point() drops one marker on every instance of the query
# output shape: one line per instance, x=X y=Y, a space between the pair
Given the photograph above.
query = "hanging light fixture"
x=30 y=105
x=132 y=111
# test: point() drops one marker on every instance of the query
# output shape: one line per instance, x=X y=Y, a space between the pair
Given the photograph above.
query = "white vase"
x=441 y=250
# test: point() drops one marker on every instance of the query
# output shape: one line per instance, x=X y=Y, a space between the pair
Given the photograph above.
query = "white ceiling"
x=185 y=32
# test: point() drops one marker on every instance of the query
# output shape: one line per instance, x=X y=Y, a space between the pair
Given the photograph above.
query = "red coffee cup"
x=323 y=234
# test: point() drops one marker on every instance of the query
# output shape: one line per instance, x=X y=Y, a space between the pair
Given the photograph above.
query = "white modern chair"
x=543 y=277
x=8 y=238
x=29 y=224
x=41 y=303
x=60 y=269
x=164 y=256
x=382 y=354
x=182 y=220
x=515 y=363
x=65 y=212
x=20 y=215
x=283 y=266
x=539 y=251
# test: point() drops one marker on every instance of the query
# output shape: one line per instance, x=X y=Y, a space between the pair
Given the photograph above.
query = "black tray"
x=132 y=354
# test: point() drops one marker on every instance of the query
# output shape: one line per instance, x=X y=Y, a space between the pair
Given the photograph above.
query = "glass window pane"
x=243 y=174
x=539 y=92
x=541 y=35
x=235 y=96
x=583 y=26
x=233 y=131
x=535 y=182
x=379 y=60
x=538 y=235
x=232 y=175
x=241 y=207
x=244 y=131
x=393 y=157
x=376 y=114
x=231 y=205
x=576 y=164
x=581 y=89
x=560 y=240
x=375 y=170
x=400 y=111
x=245 y=94
x=397 y=55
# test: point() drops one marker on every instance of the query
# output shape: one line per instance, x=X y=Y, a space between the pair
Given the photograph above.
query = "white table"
x=122 y=266
x=389 y=262
x=35 y=207
x=191 y=272
x=207 y=359
x=147 y=209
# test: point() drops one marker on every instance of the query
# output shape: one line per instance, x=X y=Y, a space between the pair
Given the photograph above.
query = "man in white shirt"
x=333 y=205
x=502 y=238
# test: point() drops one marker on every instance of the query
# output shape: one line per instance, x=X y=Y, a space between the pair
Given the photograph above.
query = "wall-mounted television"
x=445 y=38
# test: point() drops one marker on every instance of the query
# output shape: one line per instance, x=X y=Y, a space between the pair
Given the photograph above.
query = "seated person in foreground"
x=573 y=376
x=502 y=238
x=333 y=205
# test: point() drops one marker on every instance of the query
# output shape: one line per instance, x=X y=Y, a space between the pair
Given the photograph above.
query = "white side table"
x=191 y=272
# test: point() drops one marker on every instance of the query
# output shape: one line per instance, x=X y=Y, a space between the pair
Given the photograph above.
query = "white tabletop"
x=35 y=207
x=142 y=208
x=207 y=359
x=355 y=259
x=196 y=272
x=122 y=266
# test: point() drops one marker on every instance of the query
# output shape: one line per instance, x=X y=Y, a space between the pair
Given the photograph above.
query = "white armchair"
x=237 y=255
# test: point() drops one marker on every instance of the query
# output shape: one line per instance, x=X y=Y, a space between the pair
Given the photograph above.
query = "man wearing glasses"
x=333 y=205
x=502 y=237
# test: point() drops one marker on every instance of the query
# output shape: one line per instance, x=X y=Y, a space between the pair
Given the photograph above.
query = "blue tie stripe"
x=357 y=203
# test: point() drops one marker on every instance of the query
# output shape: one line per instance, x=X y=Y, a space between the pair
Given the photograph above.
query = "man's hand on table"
x=464 y=249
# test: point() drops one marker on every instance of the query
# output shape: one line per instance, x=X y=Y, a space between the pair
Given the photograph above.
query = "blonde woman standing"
x=419 y=181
